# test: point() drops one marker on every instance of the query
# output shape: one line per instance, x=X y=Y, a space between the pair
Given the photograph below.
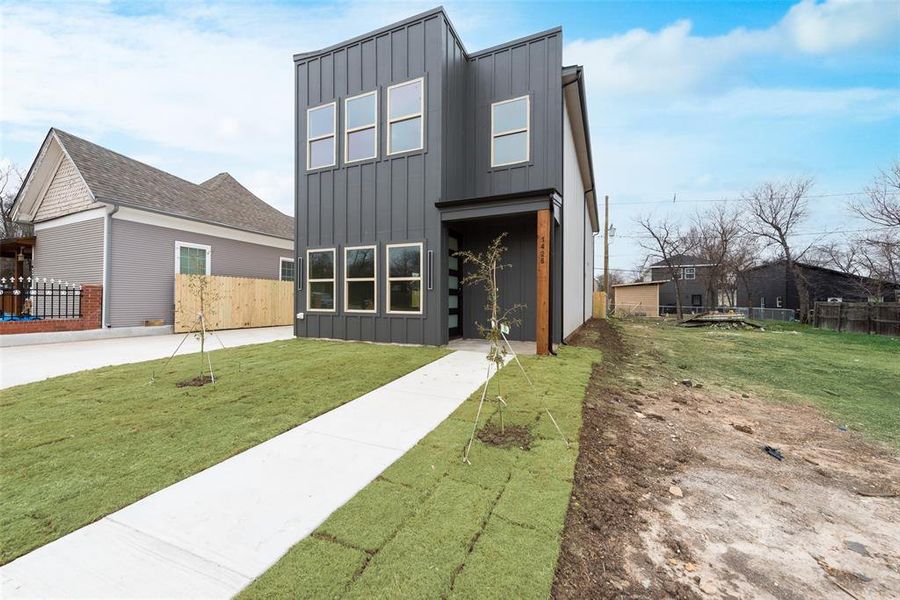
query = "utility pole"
x=606 y=247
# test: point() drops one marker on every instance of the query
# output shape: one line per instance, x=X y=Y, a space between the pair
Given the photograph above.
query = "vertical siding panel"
x=368 y=66
x=327 y=77
x=314 y=223
x=415 y=228
x=368 y=204
x=399 y=64
x=398 y=200
x=326 y=207
x=354 y=70
x=354 y=205
x=315 y=79
x=416 y=48
x=383 y=61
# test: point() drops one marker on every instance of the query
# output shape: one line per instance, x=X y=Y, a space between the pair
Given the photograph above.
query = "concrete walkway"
x=24 y=364
x=210 y=535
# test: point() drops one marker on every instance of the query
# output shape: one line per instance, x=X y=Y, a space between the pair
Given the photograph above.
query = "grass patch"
x=431 y=526
x=78 y=447
x=852 y=377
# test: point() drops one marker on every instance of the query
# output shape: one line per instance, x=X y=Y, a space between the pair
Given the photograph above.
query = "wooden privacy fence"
x=237 y=302
x=881 y=318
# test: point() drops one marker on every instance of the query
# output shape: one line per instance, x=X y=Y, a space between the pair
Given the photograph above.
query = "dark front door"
x=454 y=289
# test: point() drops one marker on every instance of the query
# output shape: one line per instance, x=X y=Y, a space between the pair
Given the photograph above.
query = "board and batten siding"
x=390 y=199
x=142 y=268
x=576 y=277
x=71 y=252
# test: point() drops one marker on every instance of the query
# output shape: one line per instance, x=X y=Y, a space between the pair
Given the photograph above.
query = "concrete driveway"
x=24 y=364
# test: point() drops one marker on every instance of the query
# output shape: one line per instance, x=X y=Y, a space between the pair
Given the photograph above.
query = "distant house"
x=103 y=218
x=639 y=299
x=693 y=273
x=772 y=286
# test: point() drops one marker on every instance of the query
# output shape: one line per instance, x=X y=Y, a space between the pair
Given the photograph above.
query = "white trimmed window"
x=406 y=122
x=320 y=287
x=361 y=127
x=193 y=259
x=286 y=269
x=404 y=278
x=360 y=289
x=321 y=123
x=778 y=302
x=690 y=272
x=510 y=131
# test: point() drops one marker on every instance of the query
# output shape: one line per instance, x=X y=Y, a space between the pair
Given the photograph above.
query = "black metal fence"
x=33 y=298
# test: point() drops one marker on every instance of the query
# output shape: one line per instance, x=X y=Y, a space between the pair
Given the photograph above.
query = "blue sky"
x=700 y=99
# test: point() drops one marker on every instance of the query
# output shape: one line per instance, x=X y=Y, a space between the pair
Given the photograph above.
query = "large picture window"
x=360 y=291
x=510 y=133
x=406 y=123
x=320 y=137
x=192 y=259
x=360 y=127
x=404 y=278
x=320 y=288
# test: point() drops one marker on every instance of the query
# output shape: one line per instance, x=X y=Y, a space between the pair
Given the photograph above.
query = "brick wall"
x=91 y=316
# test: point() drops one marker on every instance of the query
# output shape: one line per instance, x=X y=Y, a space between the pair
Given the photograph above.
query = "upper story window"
x=320 y=142
x=510 y=132
x=406 y=123
x=690 y=272
x=360 y=127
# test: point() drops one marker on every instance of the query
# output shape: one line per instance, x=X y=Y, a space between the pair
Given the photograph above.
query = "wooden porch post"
x=542 y=310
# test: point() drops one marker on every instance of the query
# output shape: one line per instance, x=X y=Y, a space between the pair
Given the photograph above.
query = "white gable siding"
x=66 y=194
x=576 y=254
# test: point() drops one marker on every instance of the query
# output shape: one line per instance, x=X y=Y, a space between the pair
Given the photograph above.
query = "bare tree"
x=10 y=182
x=882 y=203
x=775 y=212
x=719 y=237
x=667 y=242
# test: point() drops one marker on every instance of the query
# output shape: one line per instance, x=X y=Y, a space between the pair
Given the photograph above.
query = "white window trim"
x=392 y=120
x=348 y=279
x=389 y=279
x=779 y=303
x=526 y=130
x=690 y=271
x=333 y=280
x=282 y=260
x=333 y=135
x=180 y=245
x=348 y=131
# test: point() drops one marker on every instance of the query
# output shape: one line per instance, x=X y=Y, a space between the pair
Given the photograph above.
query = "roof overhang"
x=40 y=175
x=660 y=282
x=500 y=205
x=574 y=94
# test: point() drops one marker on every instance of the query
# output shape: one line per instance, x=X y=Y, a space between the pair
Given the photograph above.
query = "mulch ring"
x=195 y=381
x=512 y=436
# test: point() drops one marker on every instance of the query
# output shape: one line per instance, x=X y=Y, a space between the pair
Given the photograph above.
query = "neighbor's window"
x=509 y=131
x=404 y=266
x=778 y=302
x=690 y=272
x=192 y=259
x=360 y=129
x=320 y=280
x=406 y=107
x=286 y=269
x=320 y=144
x=359 y=279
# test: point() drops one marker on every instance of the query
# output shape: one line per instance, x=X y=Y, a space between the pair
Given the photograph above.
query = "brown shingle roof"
x=117 y=179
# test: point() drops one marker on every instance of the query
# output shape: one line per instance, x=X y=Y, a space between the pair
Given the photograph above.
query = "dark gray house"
x=103 y=218
x=694 y=281
x=408 y=148
x=772 y=285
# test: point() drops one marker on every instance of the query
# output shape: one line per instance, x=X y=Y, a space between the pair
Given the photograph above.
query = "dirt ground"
x=675 y=497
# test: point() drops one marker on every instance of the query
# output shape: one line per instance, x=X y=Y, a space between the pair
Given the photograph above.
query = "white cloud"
x=820 y=28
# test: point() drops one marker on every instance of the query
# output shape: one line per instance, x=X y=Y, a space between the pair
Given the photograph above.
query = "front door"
x=454 y=289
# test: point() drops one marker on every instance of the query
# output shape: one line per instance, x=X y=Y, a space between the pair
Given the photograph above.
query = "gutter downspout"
x=107 y=243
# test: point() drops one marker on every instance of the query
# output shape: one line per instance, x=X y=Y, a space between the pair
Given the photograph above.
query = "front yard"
x=78 y=447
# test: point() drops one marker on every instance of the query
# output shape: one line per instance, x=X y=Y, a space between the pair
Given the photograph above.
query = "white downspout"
x=107 y=242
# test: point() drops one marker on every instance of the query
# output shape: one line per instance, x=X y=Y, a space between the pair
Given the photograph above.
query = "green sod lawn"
x=431 y=526
x=854 y=378
x=78 y=447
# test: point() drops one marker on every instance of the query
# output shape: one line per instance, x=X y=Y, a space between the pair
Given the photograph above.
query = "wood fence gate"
x=881 y=318
x=237 y=302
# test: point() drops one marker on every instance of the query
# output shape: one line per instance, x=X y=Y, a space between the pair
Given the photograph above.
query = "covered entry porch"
x=531 y=226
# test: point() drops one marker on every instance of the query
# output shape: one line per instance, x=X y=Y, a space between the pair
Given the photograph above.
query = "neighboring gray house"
x=694 y=281
x=408 y=148
x=101 y=217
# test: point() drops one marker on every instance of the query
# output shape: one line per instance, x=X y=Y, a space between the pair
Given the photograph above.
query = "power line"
x=678 y=200
x=799 y=233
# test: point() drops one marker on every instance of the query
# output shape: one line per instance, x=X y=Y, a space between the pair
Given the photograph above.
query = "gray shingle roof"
x=117 y=179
